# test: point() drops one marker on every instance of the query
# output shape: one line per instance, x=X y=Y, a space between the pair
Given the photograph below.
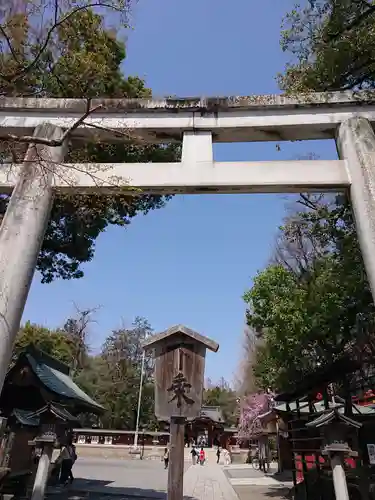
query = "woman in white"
x=226 y=456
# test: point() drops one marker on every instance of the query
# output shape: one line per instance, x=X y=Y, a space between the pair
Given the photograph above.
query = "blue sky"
x=191 y=261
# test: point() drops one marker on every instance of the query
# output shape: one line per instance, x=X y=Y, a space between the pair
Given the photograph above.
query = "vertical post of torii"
x=356 y=145
x=22 y=232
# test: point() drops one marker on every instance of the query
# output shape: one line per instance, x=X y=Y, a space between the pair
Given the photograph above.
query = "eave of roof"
x=54 y=376
x=184 y=330
x=61 y=384
x=24 y=417
x=32 y=419
x=319 y=408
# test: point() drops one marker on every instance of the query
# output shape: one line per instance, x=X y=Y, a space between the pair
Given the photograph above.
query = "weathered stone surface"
x=21 y=236
x=229 y=119
x=210 y=104
x=356 y=144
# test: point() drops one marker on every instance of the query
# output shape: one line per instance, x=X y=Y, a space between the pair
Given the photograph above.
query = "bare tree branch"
x=29 y=139
x=118 y=133
x=245 y=379
x=9 y=43
x=56 y=16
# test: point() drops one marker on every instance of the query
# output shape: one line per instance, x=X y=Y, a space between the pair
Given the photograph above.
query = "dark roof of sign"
x=54 y=375
x=173 y=330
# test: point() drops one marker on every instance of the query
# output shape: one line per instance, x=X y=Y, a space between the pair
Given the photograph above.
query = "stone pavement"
x=250 y=484
x=233 y=482
x=207 y=482
x=262 y=493
x=147 y=480
x=246 y=475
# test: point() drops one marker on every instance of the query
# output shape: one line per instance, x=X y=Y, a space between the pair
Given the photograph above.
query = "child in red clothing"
x=202 y=456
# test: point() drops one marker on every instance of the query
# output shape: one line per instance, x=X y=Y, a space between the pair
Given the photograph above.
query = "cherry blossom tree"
x=252 y=406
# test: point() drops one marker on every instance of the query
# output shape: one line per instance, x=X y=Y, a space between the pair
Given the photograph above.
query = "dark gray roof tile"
x=60 y=383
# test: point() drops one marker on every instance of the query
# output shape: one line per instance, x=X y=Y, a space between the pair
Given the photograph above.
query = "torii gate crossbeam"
x=229 y=119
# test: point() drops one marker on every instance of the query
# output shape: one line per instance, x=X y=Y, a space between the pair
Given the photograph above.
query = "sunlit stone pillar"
x=356 y=145
x=21 y=235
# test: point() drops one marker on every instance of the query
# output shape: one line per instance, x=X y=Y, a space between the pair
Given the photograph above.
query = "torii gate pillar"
x=356 y=145
x=21 y=235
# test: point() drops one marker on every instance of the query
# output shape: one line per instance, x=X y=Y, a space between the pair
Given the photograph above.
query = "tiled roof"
x=32 y=419
x=330 y=416
x=319 y=407
x=214 y=413
x=58 y=410
x=24 y=418
x=60 y=383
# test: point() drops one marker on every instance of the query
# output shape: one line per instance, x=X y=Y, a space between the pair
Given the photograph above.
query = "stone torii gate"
x=347 y=117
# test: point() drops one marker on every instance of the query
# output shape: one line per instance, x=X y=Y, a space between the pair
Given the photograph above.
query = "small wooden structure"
x=40 y=403
x=179 y=374
x=179 y=371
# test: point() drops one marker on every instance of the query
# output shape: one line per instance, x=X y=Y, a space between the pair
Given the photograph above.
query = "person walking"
x=74 y=458
x=226 y=456
x=218 y=452
x=166 y=458
x=66 y=459
x=194 y=455
x=202 y=456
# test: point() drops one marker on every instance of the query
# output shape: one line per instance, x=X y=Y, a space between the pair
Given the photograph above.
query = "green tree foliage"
x=116 y=378
x=68 y=343
x=74 y=54
x=225 y=397
x=53 y=342
x=306 y=304
x=332 y=43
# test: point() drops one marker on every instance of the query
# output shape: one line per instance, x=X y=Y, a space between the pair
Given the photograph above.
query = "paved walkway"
x=250 y=484
x=207 y=483
x=147 y=480
x=246 y=475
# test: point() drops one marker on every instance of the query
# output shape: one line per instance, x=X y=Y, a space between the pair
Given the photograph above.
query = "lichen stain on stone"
x=183 y=102
x=210 y=104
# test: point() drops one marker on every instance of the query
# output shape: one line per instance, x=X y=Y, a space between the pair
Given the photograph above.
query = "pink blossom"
x=252 y=406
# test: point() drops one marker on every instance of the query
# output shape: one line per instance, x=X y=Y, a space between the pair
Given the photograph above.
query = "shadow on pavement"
x=278 y=493
x=261 y=492
x=97 y=489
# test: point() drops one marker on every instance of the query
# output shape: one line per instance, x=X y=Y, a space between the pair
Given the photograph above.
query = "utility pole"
x=135 y=445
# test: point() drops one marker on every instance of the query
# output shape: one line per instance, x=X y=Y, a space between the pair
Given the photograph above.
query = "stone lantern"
x=335 y=428
x=54 y=426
